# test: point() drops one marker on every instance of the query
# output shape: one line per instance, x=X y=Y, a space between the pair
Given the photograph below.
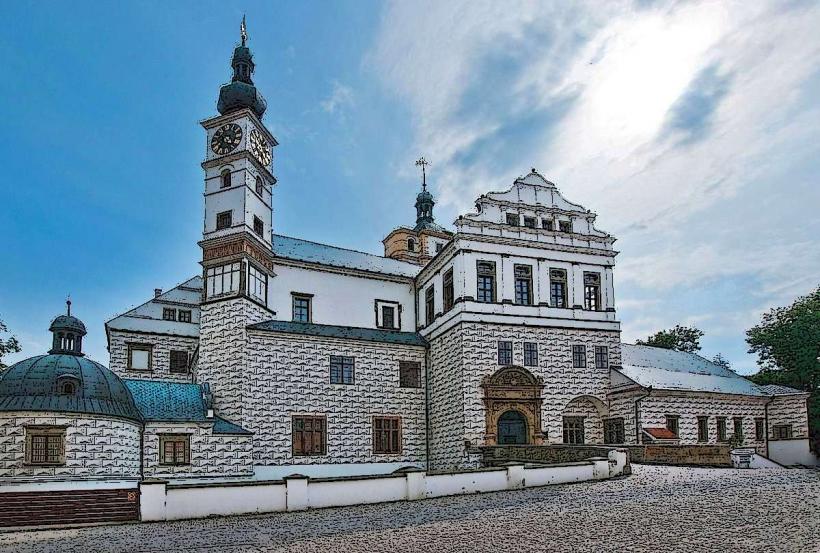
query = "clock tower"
x=237 y=258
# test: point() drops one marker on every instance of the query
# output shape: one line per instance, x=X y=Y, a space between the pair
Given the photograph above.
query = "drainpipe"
x=638 y=414
x=427 y=408
x=766 y=423
x=142 y=449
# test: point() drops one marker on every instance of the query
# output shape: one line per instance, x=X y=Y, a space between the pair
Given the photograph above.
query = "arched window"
x=67 y=388
x=259 y=186
x=411 y=244
x=226 y=178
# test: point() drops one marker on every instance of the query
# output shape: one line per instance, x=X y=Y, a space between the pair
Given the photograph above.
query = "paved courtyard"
x=657 y=509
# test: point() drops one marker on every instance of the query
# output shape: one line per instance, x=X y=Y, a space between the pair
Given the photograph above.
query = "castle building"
x=284 y=355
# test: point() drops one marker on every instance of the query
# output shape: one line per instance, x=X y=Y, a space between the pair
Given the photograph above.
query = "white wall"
x=792 y=452
x=339 y=299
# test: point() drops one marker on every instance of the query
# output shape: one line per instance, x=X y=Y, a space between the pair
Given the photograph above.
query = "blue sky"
x=692 y=129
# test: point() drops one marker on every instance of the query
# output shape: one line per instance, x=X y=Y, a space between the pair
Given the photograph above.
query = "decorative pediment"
x=512 y=377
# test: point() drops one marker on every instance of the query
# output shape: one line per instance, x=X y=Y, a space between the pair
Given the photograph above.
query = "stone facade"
x=211 y=454
x=223 y=356
x=290 y=375
x=461 y=357
x=95 y=447
x=160 y=354
x=789 y=410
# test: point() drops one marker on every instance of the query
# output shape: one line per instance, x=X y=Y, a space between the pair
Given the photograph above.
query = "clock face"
x=226 y=139
x=259 y=147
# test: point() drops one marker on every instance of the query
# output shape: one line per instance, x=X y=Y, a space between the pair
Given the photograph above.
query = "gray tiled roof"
x=345 y=332
x=313 y=252
x=667 y=369
x=777 y=390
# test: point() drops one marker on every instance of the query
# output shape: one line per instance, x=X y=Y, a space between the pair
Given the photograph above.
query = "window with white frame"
x=222 y=280
x=257 y=284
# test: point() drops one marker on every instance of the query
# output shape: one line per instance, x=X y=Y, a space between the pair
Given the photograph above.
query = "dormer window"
x=529 y=222
x=547 y=224
x=411 y=245
x=67 y=384
x=67 y=388
x=565 y=226
x=512 y=219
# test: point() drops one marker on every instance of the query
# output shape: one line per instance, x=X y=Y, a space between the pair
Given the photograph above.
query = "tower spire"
x=424 y=200
x=423 y=163
x=243 y=31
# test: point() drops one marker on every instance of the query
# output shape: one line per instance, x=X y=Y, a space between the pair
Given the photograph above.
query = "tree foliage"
x=721 y=361
x=680 y=338
x=787 y=344
x=8 y=345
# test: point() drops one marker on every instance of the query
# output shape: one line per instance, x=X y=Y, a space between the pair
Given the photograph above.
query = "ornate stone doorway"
x=512 y=402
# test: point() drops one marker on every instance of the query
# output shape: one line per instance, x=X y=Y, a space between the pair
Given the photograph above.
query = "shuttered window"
x=309 y=435
x=387 y=435
x=174 y=450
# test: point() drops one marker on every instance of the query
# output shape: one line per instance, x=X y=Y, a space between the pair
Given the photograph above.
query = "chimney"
x=157 y=292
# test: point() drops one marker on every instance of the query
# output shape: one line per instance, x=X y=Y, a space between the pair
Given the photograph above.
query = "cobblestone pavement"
x=656 y=509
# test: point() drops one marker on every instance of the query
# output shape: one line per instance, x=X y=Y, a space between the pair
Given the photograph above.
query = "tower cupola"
x=68 y=333
x=241 y=93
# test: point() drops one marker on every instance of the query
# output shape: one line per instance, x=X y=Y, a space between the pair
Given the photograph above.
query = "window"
x=439 y=246
x=573 y=430
x=409 y=374
x=309 y=435
x=759 y=430
x=529 y=222
x=738 y=427
x=781 y=431
x=429 y=304
x=184 y=315
x=673 y=424
x=302 y=308
x=169 y=314
x=579 y=357
x=703 y=429
x=140 y=357
x=523 y=284
x=45 y=445
x=174 y=450
x=558 y=288
x=486 y=281
x=547 y=224
x=258 y=226
x=224 y=220
x=601 y=357
x=721 y=426
x=449 y=293
x=411 y=245
x=614 y=431
x=178 y=362
x=387 y=435
x=259 y=187
x=257 y=284
x=564 y=226
x=592 y=291
x=226 y=178
x=504 y=353
x=67 y=387
x=388 y=316
x=530 y=354
x=341 y=369
x=512 y=219
x=221 y=280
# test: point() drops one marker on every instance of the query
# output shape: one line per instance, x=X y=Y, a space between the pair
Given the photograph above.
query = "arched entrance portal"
x=512 y=428
x=512 y=402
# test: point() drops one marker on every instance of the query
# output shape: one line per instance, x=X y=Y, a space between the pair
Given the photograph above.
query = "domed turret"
x=68 y=333
x=65 y=381
x=241 y=93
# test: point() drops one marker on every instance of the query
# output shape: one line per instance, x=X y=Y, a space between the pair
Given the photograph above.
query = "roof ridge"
x=344 y=249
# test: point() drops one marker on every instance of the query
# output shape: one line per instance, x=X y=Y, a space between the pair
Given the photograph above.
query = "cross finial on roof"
x=423 y=163
x=243 y=31
x=68 y=305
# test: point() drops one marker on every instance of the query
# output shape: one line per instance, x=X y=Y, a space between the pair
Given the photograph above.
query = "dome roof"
x=68 y=323
x=40 y=384
x=238 y=95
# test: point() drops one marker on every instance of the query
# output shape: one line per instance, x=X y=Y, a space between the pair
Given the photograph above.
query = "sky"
x=691 y=128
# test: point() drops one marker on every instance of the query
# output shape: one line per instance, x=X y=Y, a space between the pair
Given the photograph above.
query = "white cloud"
x=340 y=97
x=714 y=195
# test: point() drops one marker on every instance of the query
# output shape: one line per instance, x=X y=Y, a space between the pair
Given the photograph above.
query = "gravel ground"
x=656 y=509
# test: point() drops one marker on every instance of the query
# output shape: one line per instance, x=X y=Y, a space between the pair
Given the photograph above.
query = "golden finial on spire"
x=243 y=31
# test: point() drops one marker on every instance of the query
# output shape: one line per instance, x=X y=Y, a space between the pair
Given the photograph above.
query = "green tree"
x=9 y=345
x=787 y=344
x=721 y=361
x=680 y=338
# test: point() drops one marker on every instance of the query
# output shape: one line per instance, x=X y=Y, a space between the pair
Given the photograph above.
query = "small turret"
x=68 y=333
x=241 y=92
